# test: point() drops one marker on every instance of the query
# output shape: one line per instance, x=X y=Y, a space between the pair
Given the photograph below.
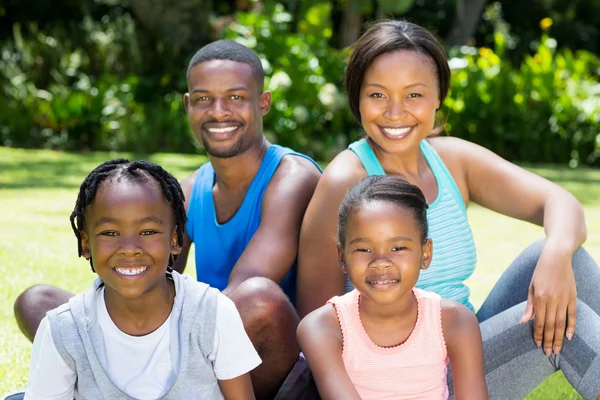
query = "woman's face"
x=398 y=100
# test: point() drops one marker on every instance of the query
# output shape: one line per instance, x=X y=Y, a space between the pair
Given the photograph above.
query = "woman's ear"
x=175 y=246
x=85 y=245
x=427 y=254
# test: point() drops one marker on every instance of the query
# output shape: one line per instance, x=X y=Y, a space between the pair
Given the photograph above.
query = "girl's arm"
x=508 y=189
x=320 y=276
x=320 y=338
x=465 y=351
x=239 y=388
x=49 y=377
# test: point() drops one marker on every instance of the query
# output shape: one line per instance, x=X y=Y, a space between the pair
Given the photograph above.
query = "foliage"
x=547 y=110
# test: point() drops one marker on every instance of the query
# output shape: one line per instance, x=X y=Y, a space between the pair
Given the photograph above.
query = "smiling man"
x=245 y=207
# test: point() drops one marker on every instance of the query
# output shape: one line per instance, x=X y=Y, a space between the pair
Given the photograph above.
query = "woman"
x=397 y=78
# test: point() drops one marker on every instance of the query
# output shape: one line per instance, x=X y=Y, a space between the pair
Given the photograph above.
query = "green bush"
x=548 y=110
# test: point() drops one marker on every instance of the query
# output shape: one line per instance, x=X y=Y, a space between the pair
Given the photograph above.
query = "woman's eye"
x=376 y=95
x=414 y=95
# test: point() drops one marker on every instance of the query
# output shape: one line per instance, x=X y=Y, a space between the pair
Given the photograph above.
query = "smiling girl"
x=143 y=331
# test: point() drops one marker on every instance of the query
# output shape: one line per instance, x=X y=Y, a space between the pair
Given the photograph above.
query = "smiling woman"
x=396 y=80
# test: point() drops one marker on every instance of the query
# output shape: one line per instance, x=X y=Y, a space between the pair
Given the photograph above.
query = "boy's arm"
x=465 y=351
x=239 y=388
x=274 y=246
x=321 y=341
x=49 y=377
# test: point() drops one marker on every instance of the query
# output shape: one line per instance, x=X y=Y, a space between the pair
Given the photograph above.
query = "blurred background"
x=109 y=74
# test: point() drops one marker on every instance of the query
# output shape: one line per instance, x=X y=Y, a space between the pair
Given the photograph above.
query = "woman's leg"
x=514 y=365
x=512 y=287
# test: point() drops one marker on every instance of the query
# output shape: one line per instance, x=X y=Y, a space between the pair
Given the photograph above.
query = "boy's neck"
x=142 y=315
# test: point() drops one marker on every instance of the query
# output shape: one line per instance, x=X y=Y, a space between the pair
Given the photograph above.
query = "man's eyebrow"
x=233 y=89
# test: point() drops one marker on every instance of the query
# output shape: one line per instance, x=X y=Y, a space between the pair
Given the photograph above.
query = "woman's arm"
x=508 y=189
x=239 y=388
x=49 y=376
x=320 y=277
x=465 y=351
x=320 y=339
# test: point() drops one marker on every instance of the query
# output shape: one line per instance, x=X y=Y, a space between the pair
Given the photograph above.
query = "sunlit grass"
x=37 y=194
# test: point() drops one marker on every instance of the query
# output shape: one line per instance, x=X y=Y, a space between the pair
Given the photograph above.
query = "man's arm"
x=274 y=246
x=465 y=351
x=186 y=186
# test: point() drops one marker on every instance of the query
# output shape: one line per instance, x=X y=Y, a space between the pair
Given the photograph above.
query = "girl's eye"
x=363 y=250
x=109 y=233
x=399 y=248
x=148 y=233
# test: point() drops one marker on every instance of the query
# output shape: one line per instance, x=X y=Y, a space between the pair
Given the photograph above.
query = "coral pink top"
x=415 y=369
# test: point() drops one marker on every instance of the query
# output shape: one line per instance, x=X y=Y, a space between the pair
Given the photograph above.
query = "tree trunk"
x=465 y=22
x=350 y=26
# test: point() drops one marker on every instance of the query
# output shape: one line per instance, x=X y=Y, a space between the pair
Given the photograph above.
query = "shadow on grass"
x=31 y=169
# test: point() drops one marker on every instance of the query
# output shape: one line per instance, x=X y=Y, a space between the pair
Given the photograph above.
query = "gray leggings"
x=514 y=365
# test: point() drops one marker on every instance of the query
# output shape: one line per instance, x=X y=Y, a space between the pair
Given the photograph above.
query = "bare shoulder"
x=293 y=183
x=186 y=186
x=343 y=172
x=297 y=168
x=457 y=319
x=322 y=321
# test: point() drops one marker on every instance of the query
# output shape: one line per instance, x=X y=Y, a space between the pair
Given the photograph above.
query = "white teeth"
x=397 y=131
x=222 y=130
x=385 y=282
x=130 y=271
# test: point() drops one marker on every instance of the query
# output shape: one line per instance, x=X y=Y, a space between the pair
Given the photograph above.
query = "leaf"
x=397 y=7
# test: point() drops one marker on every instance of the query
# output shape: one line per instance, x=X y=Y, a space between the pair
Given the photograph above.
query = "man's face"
x=225 y=107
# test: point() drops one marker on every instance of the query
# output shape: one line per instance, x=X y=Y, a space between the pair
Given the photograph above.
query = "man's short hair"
x=230 y=50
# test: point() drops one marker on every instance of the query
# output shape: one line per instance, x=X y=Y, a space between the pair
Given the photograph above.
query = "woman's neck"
x=410 y=165
x=144 y=314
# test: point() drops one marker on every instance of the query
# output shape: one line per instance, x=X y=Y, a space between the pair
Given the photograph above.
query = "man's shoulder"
x=295 y=172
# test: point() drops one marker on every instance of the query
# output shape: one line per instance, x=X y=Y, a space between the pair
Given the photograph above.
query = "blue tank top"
x=454 y=255
x=219 y=246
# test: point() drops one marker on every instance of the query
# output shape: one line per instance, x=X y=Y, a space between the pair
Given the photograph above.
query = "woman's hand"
x=552 y=299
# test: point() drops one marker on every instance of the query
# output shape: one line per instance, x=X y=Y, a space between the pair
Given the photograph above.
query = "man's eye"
x=236 y=97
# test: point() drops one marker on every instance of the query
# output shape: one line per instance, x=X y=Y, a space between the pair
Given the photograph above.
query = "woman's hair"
x=383 y=188
x=137 y=171
x=385 y=37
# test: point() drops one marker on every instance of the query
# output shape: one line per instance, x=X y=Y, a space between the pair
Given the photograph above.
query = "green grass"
x=38 y=190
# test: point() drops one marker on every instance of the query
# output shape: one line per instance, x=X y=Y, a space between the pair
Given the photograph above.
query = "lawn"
x=38 y=190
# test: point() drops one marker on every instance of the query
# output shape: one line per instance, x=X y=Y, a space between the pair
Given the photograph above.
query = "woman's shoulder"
x=343 y=171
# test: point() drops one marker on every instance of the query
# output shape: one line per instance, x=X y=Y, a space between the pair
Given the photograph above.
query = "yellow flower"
x=484 y=51
x=537 y=58
x=546 y=23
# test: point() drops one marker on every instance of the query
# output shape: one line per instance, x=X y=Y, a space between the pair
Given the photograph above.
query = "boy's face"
x=225 y=106
x=129 y=232
x=383 y=253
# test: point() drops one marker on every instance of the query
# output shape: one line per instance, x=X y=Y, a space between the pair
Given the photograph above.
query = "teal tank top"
x=454 y=255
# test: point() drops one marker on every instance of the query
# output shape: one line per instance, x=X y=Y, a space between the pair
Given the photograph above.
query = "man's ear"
x=427 y=254
x=186 y=101
x=265 y=102
x=85 y=245
x=175 y=246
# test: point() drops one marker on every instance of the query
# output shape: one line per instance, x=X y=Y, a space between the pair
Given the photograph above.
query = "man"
x=244 y=208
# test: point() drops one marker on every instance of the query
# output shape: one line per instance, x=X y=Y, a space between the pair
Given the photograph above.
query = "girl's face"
x=398 y=100
x=130 y=234
x=383 y=253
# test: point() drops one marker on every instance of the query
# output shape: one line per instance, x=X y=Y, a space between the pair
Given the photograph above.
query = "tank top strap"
x=431 y=313
x=442 y=174
x=367 y=157
x=344 y=309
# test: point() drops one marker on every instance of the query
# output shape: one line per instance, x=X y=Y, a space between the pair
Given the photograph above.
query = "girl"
x=143 y=331
x=386 y=339
x=396 y=80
